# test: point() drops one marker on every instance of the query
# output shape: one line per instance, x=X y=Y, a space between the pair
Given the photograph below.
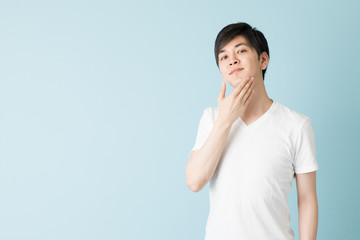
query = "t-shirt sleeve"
x=204 y=129
x=305 y=153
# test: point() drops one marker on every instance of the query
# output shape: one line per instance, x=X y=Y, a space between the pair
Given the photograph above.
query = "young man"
x=251 y=148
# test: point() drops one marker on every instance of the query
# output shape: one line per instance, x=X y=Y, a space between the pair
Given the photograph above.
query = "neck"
x=259 y=103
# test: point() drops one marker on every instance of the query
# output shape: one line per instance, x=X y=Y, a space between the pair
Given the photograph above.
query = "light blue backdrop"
x=100 y=102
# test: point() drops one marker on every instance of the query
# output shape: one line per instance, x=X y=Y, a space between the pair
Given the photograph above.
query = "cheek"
x=223 y=76
x=221 y=67
x=222 y=71
x=244 y=61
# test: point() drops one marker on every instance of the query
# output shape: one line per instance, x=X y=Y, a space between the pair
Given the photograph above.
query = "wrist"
x=223 y=123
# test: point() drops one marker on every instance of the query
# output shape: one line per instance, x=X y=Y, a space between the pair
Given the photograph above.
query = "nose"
x=233 y=60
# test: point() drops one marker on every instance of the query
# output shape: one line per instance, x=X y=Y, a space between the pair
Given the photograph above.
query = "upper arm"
x=306 y=186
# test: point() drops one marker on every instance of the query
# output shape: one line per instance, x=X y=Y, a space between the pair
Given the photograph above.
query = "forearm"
x=203 y=162
x=308 y=219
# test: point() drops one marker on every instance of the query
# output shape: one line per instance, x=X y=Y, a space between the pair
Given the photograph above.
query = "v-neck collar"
x=265 y=115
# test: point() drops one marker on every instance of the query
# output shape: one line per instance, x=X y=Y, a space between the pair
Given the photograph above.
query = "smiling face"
x=238 y=60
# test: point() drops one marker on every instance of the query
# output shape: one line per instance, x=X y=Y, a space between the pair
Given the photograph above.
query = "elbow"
x=193 y=184
x=194 y=187
x=193 y=180
x=310 y=201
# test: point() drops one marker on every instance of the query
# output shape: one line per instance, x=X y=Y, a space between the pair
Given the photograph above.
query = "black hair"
x=253 y=36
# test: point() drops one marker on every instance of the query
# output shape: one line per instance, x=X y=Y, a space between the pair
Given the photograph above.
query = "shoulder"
x=293 y=125
x=210 y=113
x=290 y=116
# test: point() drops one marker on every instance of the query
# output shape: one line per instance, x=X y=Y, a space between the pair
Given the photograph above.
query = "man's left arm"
x=307 y=205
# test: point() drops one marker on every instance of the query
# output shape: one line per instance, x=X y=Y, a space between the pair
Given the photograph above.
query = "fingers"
x=248 y=96
x=245 y=90
x=239 y=87
x=222 y=91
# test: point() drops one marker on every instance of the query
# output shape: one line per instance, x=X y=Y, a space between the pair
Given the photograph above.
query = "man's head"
x=241 y=48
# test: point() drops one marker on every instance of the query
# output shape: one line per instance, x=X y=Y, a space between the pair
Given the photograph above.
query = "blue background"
x=100 y=103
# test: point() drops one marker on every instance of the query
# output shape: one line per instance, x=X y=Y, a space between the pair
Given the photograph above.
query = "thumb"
x=222 y=91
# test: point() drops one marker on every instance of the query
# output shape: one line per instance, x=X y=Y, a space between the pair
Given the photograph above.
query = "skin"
x=307 y=205
x=248 y=100
x=203 y=162
x=232 y=57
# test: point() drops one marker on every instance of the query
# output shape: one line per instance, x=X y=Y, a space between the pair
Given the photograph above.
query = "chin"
x=237 y=82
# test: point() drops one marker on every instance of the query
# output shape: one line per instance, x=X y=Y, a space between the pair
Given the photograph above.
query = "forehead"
x=235 y=42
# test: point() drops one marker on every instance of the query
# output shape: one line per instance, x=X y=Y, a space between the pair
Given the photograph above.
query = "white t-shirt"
x=249 y=190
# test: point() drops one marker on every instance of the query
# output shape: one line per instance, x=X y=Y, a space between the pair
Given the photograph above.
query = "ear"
x=264 y=60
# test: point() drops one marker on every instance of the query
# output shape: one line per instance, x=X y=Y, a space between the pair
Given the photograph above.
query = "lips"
x=236 y=70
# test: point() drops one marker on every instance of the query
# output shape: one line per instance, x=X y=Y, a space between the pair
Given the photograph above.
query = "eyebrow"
x=237 y=45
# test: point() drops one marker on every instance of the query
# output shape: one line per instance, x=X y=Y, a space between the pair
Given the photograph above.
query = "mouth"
x=236 y=70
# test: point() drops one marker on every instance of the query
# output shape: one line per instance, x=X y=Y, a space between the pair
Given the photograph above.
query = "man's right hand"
x=233 y=106
x=203 y=162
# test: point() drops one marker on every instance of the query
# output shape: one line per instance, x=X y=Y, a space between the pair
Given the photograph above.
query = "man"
x=251 y=148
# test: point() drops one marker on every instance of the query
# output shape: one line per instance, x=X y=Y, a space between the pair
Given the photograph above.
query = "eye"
x=240 y=51
x=223 y=57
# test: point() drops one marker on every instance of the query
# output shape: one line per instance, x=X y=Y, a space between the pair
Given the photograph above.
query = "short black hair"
x=253 y=36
